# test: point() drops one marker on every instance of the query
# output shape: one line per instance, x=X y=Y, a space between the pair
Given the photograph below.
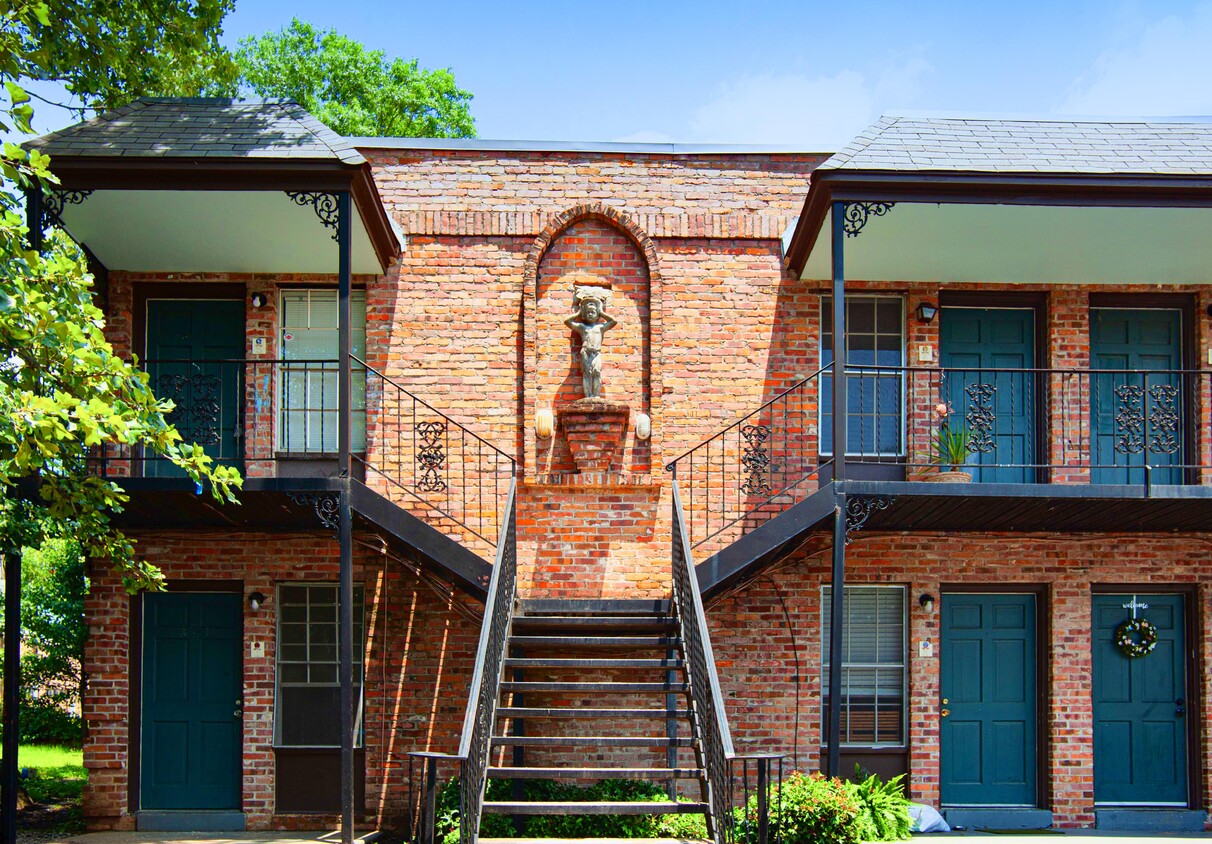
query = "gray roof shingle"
x=171 y=127
x=1024 y=145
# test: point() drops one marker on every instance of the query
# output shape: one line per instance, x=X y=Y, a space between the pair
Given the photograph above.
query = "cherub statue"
x=591 y=322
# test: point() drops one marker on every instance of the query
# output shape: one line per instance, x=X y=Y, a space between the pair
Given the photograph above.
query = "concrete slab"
x=320 y=837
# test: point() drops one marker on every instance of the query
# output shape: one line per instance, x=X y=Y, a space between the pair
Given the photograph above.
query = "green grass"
x=56 y=773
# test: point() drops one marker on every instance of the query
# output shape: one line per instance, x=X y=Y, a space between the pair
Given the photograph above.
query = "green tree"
x=353 y=90
x=64 y=393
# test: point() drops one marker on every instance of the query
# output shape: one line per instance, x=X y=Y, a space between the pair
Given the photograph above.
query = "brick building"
x=374 y=331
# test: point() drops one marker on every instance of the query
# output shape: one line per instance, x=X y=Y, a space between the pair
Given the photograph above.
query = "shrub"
x=886 y=809
x=815 y=810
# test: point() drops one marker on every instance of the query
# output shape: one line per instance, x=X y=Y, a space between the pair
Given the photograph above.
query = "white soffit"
x=211 y=231
x=1025 y=244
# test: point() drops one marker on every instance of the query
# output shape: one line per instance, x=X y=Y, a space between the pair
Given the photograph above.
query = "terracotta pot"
x=950 y=476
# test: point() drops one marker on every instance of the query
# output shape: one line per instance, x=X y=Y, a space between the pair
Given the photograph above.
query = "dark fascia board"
x=1056 y=189
x=237 y=174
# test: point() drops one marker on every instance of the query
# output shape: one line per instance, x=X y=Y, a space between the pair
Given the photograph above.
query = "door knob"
x=1180 y=708
x=945 y=712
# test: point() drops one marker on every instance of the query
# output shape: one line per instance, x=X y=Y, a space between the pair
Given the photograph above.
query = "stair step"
x=590 y=741
x=596 y=773
x=587 y=808
x=527 y=686
x=596 y=641
x=573 y=712
x=556 y=662
x=594 y=606
x=581 y=622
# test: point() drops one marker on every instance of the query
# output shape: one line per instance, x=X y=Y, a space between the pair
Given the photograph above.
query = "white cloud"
x=821 y=113
x=1164 y=71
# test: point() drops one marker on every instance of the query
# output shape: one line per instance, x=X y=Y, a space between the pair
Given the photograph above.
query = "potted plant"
x=952 y=447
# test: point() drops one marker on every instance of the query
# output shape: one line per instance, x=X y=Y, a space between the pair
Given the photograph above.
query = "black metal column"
x=12 y=688
x=838 y=577
x=345 y=529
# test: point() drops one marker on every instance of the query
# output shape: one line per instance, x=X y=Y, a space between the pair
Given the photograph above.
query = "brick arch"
x=559 y=224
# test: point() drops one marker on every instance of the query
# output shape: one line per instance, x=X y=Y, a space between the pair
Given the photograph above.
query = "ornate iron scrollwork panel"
x=325 y=504
x=196 y=396
x=980 y=417
x=858 y=213
x=431 y=456
x=1130 y=419
x=755 y=459
x=1163 y=419
x=53 y=203
x=324 y=204
x=859 y=509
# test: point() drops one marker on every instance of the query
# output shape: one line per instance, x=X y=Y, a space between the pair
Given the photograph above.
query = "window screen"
x=309 y=688
x=309 y=371
x=874 y=338
x=873 y=664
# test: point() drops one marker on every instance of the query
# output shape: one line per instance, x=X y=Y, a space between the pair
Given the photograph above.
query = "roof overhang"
x=951 y=226
x=220 y=215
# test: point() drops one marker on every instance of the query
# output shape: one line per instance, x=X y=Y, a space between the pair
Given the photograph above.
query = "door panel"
x=193 y=349
x=1136 y=411
x=1140 y=739
x=191 y=720
x=974 y=339
x=987 y=685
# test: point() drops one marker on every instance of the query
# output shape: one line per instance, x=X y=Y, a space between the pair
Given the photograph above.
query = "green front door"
x=1140 y=706
x=984 y=354
x=987 y=706
x=1136 y=399
x=191 y=717
x=194 y=349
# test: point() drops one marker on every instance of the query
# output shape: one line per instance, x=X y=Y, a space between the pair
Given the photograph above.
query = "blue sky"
x=807 y=74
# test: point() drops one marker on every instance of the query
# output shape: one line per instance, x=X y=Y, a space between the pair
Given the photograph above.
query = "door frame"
x=1018 y=301
x=1043 y=670
x=134 y=734
x=1192 y=664
x=1184 y=303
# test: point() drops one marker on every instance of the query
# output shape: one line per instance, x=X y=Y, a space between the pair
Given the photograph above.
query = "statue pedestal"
x=594 y=429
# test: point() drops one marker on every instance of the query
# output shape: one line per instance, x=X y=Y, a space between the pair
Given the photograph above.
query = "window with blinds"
x=873 y=664
x=309 y=687
x=308 y=372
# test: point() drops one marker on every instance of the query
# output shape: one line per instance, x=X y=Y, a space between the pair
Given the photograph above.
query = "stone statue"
x=591 y=322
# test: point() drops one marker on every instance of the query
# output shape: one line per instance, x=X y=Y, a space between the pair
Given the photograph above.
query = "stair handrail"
x=706 y=698
x=480 y=717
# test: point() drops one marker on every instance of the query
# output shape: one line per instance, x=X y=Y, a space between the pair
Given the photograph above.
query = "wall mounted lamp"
x=926 y=602
x=926 y=312
x=255 y=601
x=544 y=423
x=643 y=426
x=258 y=300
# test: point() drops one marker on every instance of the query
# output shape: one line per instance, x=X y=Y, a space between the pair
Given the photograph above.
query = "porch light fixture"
x=544 y=423
x=255 y=600
x=258 y=300
x=926 y=312
x=926 y=601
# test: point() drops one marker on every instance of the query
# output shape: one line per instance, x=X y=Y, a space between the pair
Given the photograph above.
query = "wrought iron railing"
x=480 y=718
x=734 y=781
x=765 y=461
x=433 y=460
x=1026 y=425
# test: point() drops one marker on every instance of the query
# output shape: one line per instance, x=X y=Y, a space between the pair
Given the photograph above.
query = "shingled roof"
x=1024 y=145
x=171 y=127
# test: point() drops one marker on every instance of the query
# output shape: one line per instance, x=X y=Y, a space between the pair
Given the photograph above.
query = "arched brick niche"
x=592 y=245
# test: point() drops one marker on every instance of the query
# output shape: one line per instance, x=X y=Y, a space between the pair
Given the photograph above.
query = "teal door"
x=1140 y=706
x=193 y=351
x=987 y=713
x=998 y=407
x=1136 y=399
x=191 y=717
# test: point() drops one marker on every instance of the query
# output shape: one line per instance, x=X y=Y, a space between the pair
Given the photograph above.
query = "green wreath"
x=1136 y=637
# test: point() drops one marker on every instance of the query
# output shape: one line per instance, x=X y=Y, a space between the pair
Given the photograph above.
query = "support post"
x=837 y=584
x=345 y=514
x=12 y=688
x=839 y=343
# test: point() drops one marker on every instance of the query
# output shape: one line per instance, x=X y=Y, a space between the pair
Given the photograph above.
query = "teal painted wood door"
x=191 y=719
x=193 y=349
x=987 y=713
x=998 y=407
x=1140 y=706
x=1136 y=410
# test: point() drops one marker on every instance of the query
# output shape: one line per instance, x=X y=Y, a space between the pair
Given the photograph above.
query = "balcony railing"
x=1022 y=426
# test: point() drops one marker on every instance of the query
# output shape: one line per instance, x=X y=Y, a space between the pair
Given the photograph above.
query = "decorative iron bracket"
x=325 y=504
x=54 y=201
x=858 y=213
x=859 y=509
x=322 y=202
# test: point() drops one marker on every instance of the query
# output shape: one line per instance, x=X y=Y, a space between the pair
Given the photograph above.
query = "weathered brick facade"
x=710 y=326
